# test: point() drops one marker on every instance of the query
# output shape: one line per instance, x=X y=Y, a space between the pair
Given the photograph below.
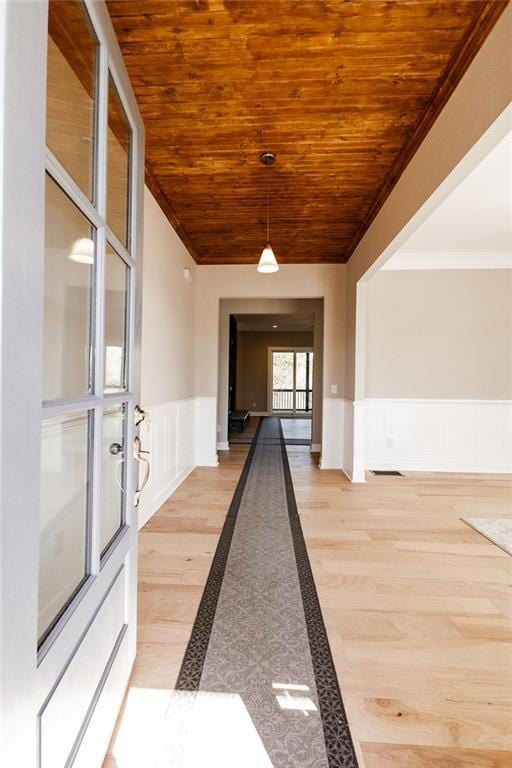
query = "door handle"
x=140 y=458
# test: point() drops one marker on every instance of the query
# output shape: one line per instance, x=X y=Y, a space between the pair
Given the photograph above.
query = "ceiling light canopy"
x=268 y=262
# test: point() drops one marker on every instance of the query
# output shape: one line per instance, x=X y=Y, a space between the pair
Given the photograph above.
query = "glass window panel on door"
x=113 y=452
x=71 y=91
x=303 y=381
x=65 y=513
x=118 y=170
x=283 y=381
x=300 y=380
x=68 y=280
x=116 y=318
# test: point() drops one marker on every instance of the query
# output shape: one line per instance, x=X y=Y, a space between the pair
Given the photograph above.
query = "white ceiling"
x=475 y=219
x=297 y=321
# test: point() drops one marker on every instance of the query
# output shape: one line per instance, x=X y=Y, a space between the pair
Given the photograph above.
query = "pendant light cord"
x=268 y=203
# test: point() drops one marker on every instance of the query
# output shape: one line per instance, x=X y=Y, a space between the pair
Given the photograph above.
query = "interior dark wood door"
x=232 y=364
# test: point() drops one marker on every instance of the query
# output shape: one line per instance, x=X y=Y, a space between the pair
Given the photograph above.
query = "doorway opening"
x=249 y=330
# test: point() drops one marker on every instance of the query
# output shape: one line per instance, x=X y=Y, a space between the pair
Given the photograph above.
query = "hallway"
x=256 y=383
x=414 y=603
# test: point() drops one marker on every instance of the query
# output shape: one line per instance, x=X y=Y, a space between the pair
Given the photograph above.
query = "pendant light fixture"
x=83 y=251
x=268 y=262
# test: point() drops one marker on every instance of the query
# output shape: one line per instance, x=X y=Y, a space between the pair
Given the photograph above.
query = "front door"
x=76 y=627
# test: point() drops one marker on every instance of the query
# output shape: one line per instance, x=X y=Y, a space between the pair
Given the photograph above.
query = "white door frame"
x=270 y=377
x=33 y=684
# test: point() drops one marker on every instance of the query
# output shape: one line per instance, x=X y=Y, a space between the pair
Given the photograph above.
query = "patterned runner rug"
x=259 y=651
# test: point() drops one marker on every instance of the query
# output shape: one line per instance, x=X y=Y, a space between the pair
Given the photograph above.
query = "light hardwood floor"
x=417 y=604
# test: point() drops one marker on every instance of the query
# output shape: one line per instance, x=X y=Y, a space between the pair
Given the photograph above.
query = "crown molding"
x=450 y=260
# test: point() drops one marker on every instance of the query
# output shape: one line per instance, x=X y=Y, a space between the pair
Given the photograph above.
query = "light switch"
x=334 y=389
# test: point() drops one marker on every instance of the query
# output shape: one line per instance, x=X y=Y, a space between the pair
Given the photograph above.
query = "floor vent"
x=386 y=473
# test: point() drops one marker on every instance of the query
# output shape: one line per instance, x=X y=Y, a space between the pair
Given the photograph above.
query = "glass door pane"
x=116 y=305
x=282 y=381
x=118 y=157
x=68 y=273
x=65 y=513
x=300 y=380
x=71 y=91
x=113 y=451
x=304 y=381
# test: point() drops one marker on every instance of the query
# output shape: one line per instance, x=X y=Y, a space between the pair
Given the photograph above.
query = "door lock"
x=139 y=416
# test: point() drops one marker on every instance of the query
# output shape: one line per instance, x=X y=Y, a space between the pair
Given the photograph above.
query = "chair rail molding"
x=449 y=260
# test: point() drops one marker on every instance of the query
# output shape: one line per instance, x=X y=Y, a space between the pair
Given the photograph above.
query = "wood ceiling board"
x=342 y=92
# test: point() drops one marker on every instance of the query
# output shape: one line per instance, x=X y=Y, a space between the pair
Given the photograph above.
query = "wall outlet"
x=334 y=389
x=218 y=428
x=254 y=406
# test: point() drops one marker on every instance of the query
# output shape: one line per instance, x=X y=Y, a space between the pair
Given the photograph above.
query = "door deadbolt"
x=140 y=415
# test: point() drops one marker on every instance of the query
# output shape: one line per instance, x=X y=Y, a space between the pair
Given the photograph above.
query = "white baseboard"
x=223 y=446
x=208 y=461
x=329 y=464
x=357 y=475
x=153 y=504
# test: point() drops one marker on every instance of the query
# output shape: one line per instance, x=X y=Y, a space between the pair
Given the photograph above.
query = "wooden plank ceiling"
x=342 y=92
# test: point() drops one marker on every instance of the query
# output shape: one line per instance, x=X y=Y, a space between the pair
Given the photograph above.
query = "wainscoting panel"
x=206 y=432
x=168 y=433
x=439 y=435
x=336 y=429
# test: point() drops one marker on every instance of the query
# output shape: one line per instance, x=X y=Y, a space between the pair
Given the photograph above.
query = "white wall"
x=300 y=281
x=439 y=371
x=168 y=311
x=168 y=362
x=439 y=334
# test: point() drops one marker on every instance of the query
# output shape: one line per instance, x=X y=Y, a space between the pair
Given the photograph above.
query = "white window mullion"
x=101 y=145
x=99 y=305
x=294 y=382
x=94 y=528
x=119 y=248
x=71 y=188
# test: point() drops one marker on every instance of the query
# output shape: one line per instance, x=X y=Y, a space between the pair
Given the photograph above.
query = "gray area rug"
x=497 y=530
x=259 y=650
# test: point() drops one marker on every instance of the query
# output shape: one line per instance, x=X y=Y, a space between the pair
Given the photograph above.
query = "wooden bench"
x=237 y=421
